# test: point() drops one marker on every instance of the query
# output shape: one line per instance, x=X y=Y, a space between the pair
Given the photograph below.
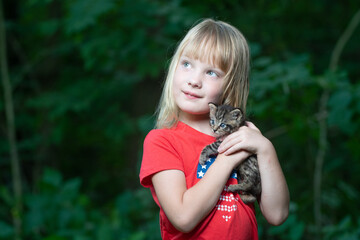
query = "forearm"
x=185 y=208
x=274 y=200
x=199 y=200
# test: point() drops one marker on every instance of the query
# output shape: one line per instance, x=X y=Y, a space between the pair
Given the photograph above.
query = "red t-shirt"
x=179 y=148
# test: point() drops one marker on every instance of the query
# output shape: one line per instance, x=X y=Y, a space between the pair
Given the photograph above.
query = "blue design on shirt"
x=201 y=169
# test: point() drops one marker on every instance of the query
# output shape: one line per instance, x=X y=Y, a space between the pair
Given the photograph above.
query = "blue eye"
x=212 y=122
x=223 y=125
x=186 y=64
x=212 y=73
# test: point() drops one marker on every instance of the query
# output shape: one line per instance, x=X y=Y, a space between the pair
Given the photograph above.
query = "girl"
x=211 y=64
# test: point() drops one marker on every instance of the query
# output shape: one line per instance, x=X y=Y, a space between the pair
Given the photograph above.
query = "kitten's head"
x=225 y=119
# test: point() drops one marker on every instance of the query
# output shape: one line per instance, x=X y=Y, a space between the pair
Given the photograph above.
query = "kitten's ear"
x=213 y=108
x=237 y=113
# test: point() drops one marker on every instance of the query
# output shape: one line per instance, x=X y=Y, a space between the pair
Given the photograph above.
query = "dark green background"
x=86 y=78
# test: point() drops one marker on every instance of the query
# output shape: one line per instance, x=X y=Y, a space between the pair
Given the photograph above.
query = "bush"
x=57 y=210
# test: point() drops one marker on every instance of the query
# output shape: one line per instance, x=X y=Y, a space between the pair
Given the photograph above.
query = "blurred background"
x=80 y=81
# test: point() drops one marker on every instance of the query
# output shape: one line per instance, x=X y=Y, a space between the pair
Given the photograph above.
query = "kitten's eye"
x=223 y=125
x=212 y=122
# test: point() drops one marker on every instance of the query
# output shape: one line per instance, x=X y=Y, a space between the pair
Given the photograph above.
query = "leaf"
x=340 y=112
x=357 y=96
x=297 y=231
x=5 y=195
x=145 y=123
x=104 y=232
x=83 y=13
x=340 y=99
x=138 y=236
x=54 y=237
x=70 y=189
x=262 y=62
x=52 y=177
x=6 y=230
x=350 y=191
x=48 y=28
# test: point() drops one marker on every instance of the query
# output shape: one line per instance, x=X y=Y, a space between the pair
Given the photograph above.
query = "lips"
x=191 y=95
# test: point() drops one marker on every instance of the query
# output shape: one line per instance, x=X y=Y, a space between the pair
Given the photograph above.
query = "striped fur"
x=224 y=120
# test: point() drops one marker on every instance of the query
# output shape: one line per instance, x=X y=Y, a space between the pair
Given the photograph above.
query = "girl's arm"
x=274 y=199
x=185 y=208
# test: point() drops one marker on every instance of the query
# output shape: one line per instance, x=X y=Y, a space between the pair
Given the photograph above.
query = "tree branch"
x=320 y=157
x=11 y=130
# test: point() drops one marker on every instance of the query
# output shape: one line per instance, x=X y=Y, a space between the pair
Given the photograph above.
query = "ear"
x=237 y=113
x=213 y=108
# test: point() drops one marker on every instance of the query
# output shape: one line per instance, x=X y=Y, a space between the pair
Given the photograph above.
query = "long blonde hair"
x=221 y=44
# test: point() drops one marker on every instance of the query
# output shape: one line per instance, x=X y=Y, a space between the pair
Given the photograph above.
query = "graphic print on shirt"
x=227 y=202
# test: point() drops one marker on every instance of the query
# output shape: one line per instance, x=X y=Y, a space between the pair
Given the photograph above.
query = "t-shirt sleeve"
x=159 y=153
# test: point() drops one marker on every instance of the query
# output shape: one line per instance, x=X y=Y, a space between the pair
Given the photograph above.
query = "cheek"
x=215 y=93
x=177 y=81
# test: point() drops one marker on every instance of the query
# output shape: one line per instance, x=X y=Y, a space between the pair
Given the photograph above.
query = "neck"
x=198 y=122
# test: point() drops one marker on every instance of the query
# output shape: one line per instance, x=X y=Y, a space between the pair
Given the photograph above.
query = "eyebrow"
x=186 y=57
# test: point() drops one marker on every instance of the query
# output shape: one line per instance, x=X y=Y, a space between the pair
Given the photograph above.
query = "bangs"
x=209 y=46
x=216 y=43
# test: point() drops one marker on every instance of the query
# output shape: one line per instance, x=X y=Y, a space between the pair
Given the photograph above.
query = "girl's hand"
x=247 y=138
x=274 y=199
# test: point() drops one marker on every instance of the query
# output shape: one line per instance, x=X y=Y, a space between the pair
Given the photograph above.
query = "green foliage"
x=346 y=229
x=297 y=91
x=83 y=14
x=58 y=210
x=87 y=77
x=292 y=229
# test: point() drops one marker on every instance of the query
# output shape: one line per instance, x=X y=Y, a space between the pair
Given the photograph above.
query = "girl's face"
x=196 y=83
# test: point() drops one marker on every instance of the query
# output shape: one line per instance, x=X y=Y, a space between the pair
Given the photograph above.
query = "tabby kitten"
x=225 y=119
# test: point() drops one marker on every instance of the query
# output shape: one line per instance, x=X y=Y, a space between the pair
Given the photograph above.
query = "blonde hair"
x=220 y=44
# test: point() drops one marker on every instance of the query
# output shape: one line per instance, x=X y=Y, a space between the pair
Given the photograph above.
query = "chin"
x=198 y=112
x=194 y=110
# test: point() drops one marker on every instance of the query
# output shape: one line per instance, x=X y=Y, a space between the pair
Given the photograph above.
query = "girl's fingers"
x=234 y=142
x=233 y=149
x=251 y=125
x=228 y=142
x=239 y=156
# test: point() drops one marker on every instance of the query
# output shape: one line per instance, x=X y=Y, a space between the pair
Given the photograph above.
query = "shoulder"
x=163 y=140
x=161 y=152
x=159 y=135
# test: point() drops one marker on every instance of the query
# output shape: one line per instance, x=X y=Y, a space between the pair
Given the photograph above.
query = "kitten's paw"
x=202 y=160
x=234 y=188
x=247 y=198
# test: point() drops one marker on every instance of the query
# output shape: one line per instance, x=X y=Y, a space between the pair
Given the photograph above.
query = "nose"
x=195 y=81
x=215 y=129
x=194 y=84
